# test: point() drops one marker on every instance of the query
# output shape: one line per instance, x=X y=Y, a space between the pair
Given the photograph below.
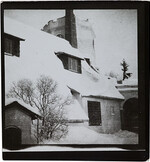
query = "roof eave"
x=103 y=97
x=21 y=39
x=63 y=53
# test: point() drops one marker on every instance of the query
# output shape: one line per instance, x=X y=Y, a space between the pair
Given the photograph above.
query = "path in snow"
x=83 y=135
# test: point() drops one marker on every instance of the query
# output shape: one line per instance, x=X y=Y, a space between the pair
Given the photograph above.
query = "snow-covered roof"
x=37 y=57
x=90 y=83
x=55 y=43
x=128 y=85
x=128 y=89
x=76 y=112
x=26 y=106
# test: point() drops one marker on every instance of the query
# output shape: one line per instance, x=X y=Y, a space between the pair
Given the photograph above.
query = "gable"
x=18 y=107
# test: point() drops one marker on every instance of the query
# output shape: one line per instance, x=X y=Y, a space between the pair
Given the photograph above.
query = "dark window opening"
x=94 y=113
x=88 y=61
x=70 y=63
x=93 y=43
x=12 y=45
x=60 y=35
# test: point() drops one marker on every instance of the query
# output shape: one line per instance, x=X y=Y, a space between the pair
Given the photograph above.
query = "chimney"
x=70 y=28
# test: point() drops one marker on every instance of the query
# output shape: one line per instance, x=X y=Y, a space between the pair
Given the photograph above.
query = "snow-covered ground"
x=83 y=135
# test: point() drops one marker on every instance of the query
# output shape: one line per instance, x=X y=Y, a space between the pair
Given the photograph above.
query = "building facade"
x=129 y=107
x=18 y=122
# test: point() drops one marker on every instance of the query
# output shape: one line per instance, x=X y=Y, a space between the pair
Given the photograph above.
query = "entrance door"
x=130 y=113
x=12 y=138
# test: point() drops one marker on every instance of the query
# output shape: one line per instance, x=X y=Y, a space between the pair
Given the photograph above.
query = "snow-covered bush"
x=43 y=95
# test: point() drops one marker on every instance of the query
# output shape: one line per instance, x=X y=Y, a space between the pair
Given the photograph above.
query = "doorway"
x=130 y=115
x=12 y=138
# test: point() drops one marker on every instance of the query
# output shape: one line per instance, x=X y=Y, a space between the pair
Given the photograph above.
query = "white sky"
x=116 y=33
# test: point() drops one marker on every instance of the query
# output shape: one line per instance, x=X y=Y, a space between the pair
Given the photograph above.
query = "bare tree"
x=43 y=95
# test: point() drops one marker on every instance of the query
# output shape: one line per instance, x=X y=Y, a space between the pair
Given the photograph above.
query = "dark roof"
x=12 y=36
x=71 y=55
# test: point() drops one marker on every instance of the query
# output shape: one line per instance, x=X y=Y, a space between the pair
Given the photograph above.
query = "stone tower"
x=78 y=32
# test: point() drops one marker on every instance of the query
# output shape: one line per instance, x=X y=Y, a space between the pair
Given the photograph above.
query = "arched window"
x=60 y=35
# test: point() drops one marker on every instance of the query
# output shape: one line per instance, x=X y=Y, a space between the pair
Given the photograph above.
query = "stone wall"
x=16 y=117
x=56 y=27
x=85 y=39
x=110 y=119
x=131 y=93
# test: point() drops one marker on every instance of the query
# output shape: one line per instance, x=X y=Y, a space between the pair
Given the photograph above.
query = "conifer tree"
x=125 y=69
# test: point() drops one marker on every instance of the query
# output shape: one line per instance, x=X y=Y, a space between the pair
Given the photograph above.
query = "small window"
x=93 y=43
x=70 y=63
x=73 y=64
x=112 y=110
x=94 y=113
x=12 y=45
x=60 y=35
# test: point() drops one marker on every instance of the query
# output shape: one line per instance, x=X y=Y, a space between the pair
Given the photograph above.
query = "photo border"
x=131 y=152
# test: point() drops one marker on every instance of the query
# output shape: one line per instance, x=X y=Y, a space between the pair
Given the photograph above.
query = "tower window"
x=60 y=35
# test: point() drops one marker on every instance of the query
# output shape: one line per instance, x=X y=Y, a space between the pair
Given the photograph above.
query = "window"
x=70 y=63
x=112 y=110
x=94 y=113
x=93 y=43
x=60 y=35
x=8 y=45
x=73 y=64
x=12 y=45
